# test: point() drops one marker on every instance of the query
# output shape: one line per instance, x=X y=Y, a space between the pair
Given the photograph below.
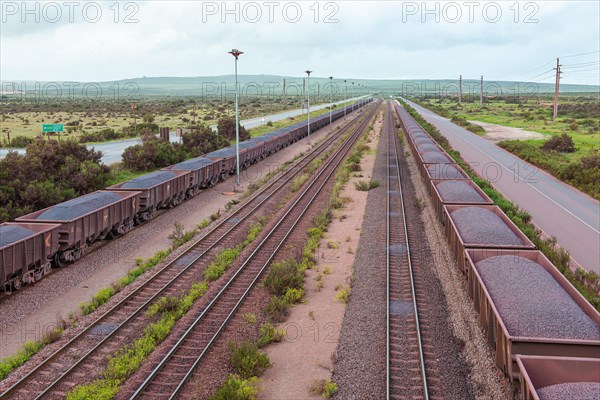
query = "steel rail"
x=393 y=146
x=342 y=150
x=275 y=184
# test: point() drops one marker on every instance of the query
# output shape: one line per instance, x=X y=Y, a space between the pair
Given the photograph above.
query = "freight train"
x=53 y=237
x=545 y=333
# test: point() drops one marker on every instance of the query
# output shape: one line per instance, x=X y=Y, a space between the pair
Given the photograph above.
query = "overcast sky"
x=105 y=40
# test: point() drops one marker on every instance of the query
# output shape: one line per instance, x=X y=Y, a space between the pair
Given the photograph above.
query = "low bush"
x=365 y=186
x=237 y=388
x=562 y=144
x=284 y=275
x=269 y=334
x=247 y=360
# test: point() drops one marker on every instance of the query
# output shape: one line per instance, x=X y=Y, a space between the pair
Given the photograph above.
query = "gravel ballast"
x=435 y=157
x=571 y=391
x=548 y=311
x=192 y=164
x=427 y=147
x=79 y=206
x=444 y=171
x=149 y=180
x=477 y=225
x=11 y=233
x=458 y=192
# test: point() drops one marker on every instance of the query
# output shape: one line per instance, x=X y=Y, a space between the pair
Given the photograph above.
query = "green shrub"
x=329 y=389
x=293 y=295
x=99 y=389
x=563 y=144
x=237 y=388
x=98 y=299
x=276 y=309
x=8 y=364
x=343 y=294
x=364 y=186
x=284 y=275
x=217 y=268
x=248 y=360
x=269 y=334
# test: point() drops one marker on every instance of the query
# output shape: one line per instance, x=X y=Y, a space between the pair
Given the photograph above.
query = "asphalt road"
x=111 y=151
x=556 y=208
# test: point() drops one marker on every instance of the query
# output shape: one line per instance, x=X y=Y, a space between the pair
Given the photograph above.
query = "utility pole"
x=556 y=88
x=284 y=90
x=460 y=90
x=308 y=121
x=303 y=91
x=481 y=92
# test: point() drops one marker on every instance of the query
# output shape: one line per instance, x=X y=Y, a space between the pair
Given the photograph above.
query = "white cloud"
x=381 y=39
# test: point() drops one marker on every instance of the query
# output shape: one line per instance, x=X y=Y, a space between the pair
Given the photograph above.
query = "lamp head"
x=236 y=53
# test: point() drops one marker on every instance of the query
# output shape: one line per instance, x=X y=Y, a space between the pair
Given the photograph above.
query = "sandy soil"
x=497 y=133
x=33 y=322
x=313 y=328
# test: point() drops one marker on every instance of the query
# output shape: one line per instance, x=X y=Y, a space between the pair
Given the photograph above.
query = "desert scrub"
x=269 y=334
x=284 y=275
x=247 y=360
x=343 y=295
x=237 y=388
x=323 y=388
x=365 y=186
x=180 y=236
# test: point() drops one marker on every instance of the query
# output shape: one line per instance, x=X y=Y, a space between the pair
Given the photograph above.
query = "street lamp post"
x=346 y=97
x=308 y=105
x=352 y=95
x=236 y=53
x=330 y=93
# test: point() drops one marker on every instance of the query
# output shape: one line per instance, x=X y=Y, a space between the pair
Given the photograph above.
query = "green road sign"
x=52 y=128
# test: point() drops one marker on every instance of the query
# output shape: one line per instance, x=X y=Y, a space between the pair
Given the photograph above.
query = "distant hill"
x=272 y=85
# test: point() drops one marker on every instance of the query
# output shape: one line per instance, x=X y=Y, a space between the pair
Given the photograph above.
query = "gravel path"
x=359 y=369
x=482 y=226
x=458 y=192
x=571 y=391
x=548 y=311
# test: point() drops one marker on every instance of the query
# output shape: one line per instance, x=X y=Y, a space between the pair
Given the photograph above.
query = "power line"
x=580 y=54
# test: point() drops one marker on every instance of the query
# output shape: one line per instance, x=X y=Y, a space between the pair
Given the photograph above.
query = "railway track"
x=405 y=361
x=64 y=368
x=169 y=377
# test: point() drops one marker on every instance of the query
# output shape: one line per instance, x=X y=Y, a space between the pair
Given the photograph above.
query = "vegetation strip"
x=169 y=310
x=285 y=282
x=586 y=282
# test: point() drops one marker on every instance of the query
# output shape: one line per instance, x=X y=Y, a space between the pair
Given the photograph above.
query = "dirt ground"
x=313 y=328
x=497 y=133
x=45 y=307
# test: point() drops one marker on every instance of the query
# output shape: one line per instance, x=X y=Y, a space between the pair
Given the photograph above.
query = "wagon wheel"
x=17 y=283
x=59 y=261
